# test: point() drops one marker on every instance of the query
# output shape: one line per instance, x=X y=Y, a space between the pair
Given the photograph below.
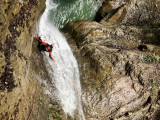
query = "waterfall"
x=64 y=72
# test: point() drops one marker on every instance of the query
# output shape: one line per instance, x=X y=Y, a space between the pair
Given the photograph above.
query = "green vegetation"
x=123 y=42
x=55 y=113
x=152 y=58
x=152 y=80
x=148 y=59
x=153 y=88
x=156 y=57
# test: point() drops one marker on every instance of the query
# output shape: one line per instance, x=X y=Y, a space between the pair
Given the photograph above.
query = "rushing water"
x=71 y=10
x=64 y=72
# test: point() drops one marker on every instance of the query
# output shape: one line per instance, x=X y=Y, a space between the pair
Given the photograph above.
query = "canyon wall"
x=118 y=56
x=21 y=95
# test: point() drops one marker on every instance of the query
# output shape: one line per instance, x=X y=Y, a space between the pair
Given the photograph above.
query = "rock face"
x=119 y=68
x=21 y=96
x=129 y=12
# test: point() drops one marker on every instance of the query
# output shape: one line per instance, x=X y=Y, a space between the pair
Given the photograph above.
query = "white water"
x=64 y=72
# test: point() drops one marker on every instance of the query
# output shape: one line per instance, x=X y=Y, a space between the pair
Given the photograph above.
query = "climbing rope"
x=38 y=107
x=33 y=104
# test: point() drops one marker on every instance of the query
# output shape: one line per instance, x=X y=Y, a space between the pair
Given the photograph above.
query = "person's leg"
x=39 y=46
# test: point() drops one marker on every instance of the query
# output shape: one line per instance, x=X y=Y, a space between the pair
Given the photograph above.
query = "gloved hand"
x=52 y=58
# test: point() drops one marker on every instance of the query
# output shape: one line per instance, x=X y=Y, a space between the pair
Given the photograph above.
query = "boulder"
x=119 y=73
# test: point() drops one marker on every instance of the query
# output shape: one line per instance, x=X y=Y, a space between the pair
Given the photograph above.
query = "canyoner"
x=43 y=46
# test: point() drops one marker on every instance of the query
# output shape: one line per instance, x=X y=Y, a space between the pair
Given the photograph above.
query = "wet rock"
x=108 y=7
x=117 y=69
x=137 y=13
x=115 y=17
x=19 y=88
x=142 y=13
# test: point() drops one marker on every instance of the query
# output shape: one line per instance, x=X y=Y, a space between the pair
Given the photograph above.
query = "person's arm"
x=38 y=39
x=50 y=53
x=43 y=43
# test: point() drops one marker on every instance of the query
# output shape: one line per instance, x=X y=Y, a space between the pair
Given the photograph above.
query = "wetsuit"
x=43 y=46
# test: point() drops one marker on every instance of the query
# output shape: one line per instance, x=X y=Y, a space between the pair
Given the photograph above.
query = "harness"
x=48 y=50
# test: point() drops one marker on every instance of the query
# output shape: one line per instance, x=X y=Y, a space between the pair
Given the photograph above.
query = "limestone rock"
x=130 y=12
x=142 y=13
x=21 y=95
x=119 y=73
x=116 y=18
x=109 y=6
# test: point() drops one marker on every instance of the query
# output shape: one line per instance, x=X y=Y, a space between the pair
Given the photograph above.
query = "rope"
x=31 y=112
x=38 y=107
x=32 y=104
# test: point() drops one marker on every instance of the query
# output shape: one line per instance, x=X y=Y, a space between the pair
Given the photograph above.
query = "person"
x=43 y=46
